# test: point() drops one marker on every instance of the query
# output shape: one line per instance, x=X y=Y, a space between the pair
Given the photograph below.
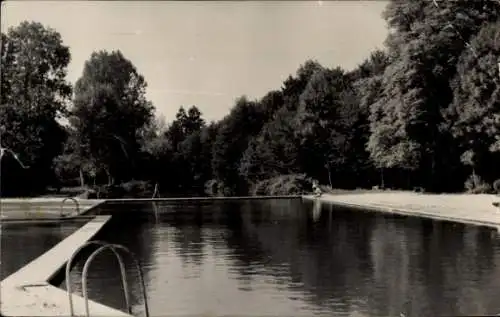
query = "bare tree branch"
x=5 y=150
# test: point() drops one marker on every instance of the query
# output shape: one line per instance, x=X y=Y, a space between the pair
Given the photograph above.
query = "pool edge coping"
x=83 y=209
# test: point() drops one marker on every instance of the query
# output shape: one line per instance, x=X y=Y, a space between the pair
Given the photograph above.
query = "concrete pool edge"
x=27 y=292
x=460 y=210
x=14 y=210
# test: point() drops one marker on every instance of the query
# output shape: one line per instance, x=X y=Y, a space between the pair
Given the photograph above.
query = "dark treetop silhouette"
x=420 y=113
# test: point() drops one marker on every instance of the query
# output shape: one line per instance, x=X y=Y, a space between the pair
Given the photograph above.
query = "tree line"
x=423 y=112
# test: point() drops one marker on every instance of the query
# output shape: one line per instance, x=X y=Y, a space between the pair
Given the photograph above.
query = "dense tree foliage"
x=423 y=112
x=34 y=93
x=109 y=112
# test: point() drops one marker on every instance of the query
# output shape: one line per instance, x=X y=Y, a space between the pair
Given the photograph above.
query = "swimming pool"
x=287 y=258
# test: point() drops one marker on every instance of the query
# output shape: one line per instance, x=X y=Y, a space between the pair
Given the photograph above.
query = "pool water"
x=293 y=258
x=22 y=243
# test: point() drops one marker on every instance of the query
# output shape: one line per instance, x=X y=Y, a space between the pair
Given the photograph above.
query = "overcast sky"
x=209 y=53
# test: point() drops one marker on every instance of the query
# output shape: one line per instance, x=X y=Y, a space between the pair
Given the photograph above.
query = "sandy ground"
x=458 y=207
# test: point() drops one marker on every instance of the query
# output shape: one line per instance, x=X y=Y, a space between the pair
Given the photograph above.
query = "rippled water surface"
x=22 y=243
x=287 y=258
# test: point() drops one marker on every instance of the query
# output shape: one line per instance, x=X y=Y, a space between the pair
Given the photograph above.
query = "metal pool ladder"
x=61 y=213
x=102 y=247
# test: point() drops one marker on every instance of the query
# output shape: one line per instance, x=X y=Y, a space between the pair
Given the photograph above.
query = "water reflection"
x=22 y=243
x=316 y=212
x=285 y=258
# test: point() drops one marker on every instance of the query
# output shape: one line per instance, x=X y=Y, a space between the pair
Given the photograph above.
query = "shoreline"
x=462 y=208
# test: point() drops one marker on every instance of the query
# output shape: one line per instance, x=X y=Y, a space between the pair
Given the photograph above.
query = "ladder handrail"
x=136 y=262
x=73 y=199
x=68 y=277
x=156 y=192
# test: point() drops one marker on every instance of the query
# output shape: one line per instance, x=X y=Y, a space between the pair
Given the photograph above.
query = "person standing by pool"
x=316 y=190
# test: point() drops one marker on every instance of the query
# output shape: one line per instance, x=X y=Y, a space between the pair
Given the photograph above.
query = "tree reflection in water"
x=296 y=258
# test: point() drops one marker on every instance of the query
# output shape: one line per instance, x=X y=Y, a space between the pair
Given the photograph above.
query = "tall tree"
x=274 y=151
x=70 y=165
x=294 y=86
x=236 y=130
x=207 y=137
x=185 y=136
x=110 y=111
x=406 y=121
x=474 y=115
x=184 y=124
x=194 y=121
x=323 y=123
x=34 y=94
x=367 y=84
x=271 y=103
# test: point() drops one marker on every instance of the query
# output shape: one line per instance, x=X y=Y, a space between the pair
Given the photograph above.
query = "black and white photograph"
x=250 y=158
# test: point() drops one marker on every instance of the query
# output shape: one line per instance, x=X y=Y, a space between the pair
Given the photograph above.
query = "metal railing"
x=102 y=247
x=76 y=203
x=156 y=192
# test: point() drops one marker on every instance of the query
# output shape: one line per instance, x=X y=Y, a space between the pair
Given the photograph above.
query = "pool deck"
x=26 y=209
x=463 y=208
x=27 y=292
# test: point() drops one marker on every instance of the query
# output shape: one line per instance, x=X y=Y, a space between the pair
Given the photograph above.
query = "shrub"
x=293 y=184
x=131 y=189
x=109 y=191
x=211 y=187
x=484 y=188
x=139 y=188
x=419 y=189
x=475 y=185
x=216 y=187
x=496 y=186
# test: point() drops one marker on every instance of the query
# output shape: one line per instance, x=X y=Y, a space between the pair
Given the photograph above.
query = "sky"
x=209 y=53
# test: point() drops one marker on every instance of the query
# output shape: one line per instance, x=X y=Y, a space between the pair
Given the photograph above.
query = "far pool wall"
x=204 y=199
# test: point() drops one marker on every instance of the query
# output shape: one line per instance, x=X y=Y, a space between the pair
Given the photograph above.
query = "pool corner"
x=27 y=292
